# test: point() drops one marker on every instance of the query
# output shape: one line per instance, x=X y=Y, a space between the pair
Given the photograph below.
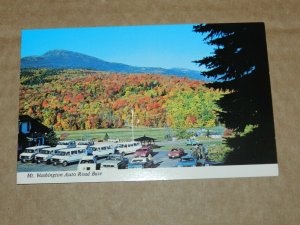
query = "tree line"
x=83 y=99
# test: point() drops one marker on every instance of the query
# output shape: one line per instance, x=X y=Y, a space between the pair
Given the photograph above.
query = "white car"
x=115 y=161
x=128 y=147
x=67 y=156
x=113 y=140
x=102 y=150
x=45 y=155
x=30 y=153
x=141 y=162
x=88 y=162
x=66 y=144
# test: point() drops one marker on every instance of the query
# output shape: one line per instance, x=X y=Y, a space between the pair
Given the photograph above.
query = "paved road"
x=160 y=159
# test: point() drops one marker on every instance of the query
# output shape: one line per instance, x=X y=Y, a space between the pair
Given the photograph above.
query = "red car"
x=176 y=153
x=143 y=152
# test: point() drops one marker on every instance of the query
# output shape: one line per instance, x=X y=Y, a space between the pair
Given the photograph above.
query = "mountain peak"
x=65 y=59
x=61 y=52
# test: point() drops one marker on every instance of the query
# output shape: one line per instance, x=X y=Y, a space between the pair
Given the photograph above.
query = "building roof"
x=145 y=138
x=36 y=126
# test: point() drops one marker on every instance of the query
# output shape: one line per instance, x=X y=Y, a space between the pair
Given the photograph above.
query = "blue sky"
x=166 y=46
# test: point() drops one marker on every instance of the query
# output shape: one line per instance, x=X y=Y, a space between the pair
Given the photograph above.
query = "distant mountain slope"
x=62 y=59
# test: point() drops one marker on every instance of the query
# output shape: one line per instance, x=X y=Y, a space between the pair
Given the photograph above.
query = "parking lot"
x=160 y=158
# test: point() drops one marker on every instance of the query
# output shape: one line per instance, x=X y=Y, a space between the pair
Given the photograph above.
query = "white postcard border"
x=109 y=175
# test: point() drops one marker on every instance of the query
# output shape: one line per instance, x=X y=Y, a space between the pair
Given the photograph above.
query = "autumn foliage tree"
x=79 y=100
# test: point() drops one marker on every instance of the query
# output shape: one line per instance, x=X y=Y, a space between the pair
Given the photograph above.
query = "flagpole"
x=132 y=134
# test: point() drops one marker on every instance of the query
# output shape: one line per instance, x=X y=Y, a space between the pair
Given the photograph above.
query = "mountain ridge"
x=64 y=59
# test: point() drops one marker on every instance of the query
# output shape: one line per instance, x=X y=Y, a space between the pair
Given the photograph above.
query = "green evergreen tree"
x=239 y=64
x=106 y=137
x=51 y=138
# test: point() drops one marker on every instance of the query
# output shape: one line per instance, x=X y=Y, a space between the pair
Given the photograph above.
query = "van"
x=101 y=150
x=66 y=144
x=128 y=147
x=85 y=145
x=67 y=156
x=45 y=155
x=30 y=153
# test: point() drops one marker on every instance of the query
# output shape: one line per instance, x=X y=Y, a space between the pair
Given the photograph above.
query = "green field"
x=124 y=134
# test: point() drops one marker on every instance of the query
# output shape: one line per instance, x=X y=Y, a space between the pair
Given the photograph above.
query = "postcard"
x=139 y=103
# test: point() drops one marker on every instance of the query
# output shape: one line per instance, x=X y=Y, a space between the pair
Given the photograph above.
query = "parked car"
x=140 y=162
x=192 y=142
x=113 y=140
x=86 y=146
x=115 y=161
x=128 y=147
x=187 y=161
x=30 y=153
x=45 y=155
x=67 y=156
x=66 y=144
x=88 y=162
x=176 y=153
x=143 y=151
x=212 y=163
x=102 y=150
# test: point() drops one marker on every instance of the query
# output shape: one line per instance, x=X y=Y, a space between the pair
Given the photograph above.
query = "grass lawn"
x=124 y=134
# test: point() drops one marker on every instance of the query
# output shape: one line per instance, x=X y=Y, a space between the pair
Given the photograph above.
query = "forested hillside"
x=83 y=99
